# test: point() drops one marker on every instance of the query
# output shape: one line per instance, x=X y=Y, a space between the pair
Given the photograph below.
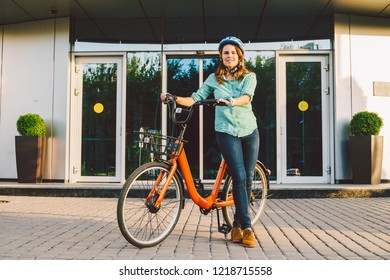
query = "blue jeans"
x=240 y=154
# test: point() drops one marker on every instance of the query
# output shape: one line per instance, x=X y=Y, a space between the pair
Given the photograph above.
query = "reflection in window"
x=98 y=143
x=143 y=106
x=304 y=133
x=264 y=104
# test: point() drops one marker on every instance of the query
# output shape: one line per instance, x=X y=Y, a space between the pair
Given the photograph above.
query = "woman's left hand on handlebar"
x=163 y=96
x=166 y=96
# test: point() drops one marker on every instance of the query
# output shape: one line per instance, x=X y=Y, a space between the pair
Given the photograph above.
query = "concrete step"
x=276 y=191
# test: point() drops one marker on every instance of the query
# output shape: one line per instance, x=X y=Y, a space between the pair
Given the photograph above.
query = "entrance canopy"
x=192 y=21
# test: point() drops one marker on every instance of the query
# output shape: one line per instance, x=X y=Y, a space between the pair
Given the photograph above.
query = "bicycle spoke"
x=257 y=201
x=141 y=222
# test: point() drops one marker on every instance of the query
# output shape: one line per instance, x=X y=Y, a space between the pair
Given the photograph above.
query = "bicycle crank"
x=204 y=211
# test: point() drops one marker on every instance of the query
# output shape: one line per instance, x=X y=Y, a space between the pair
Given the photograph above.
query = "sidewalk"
x=85 y=228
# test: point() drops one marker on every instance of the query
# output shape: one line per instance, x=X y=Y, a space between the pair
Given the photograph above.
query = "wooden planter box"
x=366 y=153
x=30 y=158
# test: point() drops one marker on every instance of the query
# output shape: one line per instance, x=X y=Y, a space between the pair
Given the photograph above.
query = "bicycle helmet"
x=231 y=40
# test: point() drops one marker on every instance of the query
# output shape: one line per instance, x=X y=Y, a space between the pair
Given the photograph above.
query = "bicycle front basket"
x=159 y=146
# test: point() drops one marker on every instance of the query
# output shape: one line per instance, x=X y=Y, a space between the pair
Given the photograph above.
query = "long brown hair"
x=222 y=71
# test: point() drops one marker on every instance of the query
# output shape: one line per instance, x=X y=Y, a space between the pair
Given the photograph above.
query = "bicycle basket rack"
x=159 y=146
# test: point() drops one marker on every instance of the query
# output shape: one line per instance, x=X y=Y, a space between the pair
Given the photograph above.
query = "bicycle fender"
x=266 y=171
x=181 y=180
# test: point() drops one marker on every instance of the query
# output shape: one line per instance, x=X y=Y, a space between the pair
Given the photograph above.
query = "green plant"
x=366 y=123
x=31 y=125
x=143 y=152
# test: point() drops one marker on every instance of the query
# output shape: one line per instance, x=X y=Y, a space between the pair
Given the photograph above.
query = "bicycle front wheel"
x=140 y=221
x=257 y=200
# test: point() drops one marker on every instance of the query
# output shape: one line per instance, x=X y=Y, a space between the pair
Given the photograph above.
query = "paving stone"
x=85 y=228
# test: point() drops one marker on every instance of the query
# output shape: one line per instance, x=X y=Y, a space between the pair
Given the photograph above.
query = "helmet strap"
x=234 y=70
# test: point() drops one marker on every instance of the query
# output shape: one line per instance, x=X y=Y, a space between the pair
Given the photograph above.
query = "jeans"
x=240 y=154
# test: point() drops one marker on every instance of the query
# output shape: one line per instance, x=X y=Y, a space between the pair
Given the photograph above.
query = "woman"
x=236 y=127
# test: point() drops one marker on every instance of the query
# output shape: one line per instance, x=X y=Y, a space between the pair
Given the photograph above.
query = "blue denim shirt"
x=235 y=120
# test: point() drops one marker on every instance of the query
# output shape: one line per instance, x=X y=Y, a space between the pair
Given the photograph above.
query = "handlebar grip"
x=209 y=102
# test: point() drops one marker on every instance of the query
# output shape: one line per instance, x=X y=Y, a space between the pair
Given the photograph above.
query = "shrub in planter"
x=31 y=125
x=366 y=148
x=30 y=148
x=366 y=123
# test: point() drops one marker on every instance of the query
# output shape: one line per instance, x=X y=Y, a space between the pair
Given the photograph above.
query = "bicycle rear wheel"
x=141 y=223
x=258 y=196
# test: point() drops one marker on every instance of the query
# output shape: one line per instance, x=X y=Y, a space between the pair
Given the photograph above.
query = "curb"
x=113 y=192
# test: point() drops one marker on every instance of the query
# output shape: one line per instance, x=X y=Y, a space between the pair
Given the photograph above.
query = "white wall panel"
x=362 y=56
x=59 y=158
x=342 y=91
x=1 y=68
x=35 y=80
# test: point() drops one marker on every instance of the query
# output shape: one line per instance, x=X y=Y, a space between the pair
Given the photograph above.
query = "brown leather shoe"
x=236 y=235
x=248 y=238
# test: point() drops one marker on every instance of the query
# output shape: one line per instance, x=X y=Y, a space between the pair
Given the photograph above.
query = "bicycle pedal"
x=224 y=228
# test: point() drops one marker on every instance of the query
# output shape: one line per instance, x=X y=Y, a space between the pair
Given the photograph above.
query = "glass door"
x=96 y=127
x=183 y=75
x=304 y=119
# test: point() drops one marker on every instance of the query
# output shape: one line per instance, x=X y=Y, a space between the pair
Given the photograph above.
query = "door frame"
x=327 y=108
x=75 y=116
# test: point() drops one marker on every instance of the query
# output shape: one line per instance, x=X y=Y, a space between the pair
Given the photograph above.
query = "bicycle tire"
x=258 y=198
x=140 y=223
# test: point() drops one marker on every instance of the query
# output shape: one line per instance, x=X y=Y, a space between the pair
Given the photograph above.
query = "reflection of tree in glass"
x=143 y=105
x=264 y=105
x=303 y=82
x=99 y=130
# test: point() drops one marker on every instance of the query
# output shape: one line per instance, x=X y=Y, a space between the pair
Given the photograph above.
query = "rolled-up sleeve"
x=206 y=89
x=249 y=85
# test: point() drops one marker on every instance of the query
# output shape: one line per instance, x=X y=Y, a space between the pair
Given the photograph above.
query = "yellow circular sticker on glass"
x=98 y=108
x=303 y=106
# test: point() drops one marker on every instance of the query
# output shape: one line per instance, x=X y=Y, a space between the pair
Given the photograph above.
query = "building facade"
x=93 y=96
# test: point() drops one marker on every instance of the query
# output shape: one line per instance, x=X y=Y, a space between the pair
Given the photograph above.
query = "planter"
x=366 y=153
x=30 y=158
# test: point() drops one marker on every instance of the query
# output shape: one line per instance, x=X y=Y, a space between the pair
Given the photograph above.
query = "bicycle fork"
x=155 y=196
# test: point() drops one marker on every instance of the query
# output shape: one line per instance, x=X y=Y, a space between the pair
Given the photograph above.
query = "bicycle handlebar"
x=209 y=102
x=175 y=111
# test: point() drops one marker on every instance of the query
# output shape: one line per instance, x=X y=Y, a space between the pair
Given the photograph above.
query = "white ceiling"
x=192 y=21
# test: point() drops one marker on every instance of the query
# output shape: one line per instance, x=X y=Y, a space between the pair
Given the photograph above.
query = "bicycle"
x=152 y=197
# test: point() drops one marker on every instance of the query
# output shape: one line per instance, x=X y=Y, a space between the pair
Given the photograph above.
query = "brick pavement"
x=49 y=228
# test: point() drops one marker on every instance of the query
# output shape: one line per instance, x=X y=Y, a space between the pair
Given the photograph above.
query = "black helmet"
x=231 y=40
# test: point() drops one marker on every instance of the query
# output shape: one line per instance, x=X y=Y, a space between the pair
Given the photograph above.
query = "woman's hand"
x=183 y=101
x=166 y=97
x=162 y=96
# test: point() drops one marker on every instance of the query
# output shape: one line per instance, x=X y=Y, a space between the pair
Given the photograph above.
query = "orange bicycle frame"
x=210 y=201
